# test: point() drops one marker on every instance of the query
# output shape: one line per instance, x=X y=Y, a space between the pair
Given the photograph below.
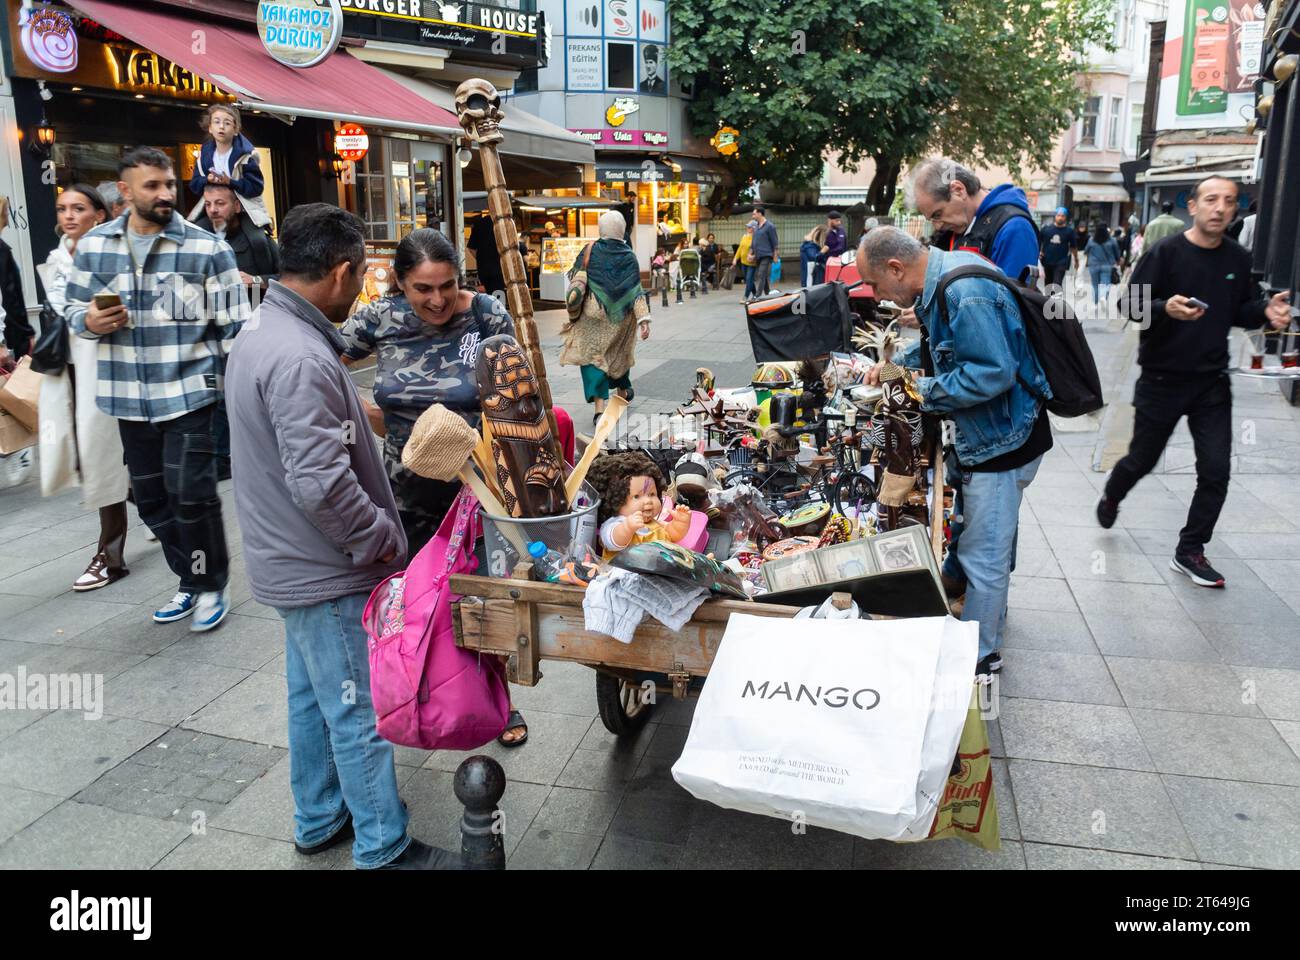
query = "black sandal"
x=515 y=721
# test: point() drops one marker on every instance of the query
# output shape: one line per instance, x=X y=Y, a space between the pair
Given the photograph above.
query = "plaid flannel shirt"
x=186 y=303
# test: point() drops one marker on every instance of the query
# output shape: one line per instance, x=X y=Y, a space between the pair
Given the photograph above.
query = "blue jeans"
x=337 y=760
x=991 y=517
x=749 y=282
x=1100 y=282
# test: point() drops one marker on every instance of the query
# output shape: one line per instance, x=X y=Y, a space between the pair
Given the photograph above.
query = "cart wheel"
x=621 y=709
x=851 y=489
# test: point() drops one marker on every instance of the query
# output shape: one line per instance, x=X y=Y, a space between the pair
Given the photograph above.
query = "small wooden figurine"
x=526 y=455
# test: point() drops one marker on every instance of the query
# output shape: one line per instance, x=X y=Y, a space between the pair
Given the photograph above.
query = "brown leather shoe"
x=99 y=574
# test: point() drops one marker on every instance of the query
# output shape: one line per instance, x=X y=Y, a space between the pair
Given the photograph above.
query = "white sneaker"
x=209 y=610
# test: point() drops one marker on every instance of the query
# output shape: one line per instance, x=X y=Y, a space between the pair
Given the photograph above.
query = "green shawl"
x=613 y=275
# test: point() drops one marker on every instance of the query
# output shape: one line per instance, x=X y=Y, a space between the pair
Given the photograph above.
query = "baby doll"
x=631 y=498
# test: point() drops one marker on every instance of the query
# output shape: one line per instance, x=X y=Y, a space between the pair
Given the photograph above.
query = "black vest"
x=979 y=238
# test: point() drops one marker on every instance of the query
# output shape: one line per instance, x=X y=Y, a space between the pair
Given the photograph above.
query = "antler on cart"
x=478 y=107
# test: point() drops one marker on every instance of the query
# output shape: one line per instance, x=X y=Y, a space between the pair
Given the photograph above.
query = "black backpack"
x=1055 y=335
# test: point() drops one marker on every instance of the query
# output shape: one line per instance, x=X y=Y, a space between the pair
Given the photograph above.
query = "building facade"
x=608 y=81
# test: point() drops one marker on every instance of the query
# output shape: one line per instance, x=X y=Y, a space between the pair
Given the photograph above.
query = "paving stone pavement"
x=1144 y=723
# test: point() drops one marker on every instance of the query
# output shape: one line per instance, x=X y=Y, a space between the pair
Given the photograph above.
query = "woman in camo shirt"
x=425 y=335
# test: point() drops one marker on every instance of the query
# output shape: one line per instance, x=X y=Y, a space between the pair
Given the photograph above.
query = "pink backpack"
x=428 y=692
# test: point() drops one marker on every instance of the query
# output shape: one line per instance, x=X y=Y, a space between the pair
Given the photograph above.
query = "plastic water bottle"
x=548 y=563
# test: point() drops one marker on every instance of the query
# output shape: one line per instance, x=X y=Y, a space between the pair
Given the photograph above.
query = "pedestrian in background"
x=17 y=330
x=832 y=247
x=602 y=341
x=320 y=532
x=765 y=248
x=112 y=196
x=744 y=260
x=96 y=442
x=1102 y=253
x=709 y=254
x=162 y=352
x=809 y=251
x=257 y=254
x=1165 y=225
x=1183 y=353
x=1056 y=247
x=229 y=159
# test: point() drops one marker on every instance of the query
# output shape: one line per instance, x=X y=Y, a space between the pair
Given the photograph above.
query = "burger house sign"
x=486 y=32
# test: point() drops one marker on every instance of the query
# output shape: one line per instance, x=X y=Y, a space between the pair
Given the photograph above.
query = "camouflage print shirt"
x=419 y=364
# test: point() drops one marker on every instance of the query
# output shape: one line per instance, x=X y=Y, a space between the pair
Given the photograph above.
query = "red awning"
x=339 y=88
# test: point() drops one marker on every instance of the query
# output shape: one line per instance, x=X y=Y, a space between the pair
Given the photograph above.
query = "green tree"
x=985 y=81
x=802 y=78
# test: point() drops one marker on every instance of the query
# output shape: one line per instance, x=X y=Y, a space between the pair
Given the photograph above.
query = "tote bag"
x=831 y=722
x=427 y=692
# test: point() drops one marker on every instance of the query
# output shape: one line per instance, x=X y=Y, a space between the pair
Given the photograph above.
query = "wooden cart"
x=529 y=621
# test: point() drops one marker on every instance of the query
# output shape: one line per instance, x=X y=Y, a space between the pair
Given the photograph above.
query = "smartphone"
x=106 y=301
x=1198 y=304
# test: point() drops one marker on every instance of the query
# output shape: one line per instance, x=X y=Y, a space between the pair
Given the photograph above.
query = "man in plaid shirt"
x=162 y=360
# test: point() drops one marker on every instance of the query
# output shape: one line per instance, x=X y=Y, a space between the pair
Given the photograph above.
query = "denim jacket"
x=982 y=362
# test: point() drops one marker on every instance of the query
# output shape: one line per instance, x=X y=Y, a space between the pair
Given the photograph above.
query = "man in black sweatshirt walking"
x=1199 y=286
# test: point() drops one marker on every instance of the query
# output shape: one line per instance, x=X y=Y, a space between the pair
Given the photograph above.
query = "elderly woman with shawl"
x=602 y=340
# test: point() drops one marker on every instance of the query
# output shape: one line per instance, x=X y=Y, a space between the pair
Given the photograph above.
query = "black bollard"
x=693 y=286
x=679 y=288
x=664 y=290
x=479 y=785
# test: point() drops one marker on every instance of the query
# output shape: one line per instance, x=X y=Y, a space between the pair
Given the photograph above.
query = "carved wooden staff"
x=478 y=106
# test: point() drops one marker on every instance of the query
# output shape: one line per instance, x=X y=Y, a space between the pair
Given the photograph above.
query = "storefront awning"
x=637 y=167
x=340 y=88
x=1098 y=193
x=567 y=203
x=697 y=170
x=525 y=134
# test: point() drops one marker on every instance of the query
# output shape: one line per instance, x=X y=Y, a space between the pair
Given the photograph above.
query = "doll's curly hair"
x=611 y=474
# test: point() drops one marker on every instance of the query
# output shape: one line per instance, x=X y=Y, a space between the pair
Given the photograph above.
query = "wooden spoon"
x=615 y=407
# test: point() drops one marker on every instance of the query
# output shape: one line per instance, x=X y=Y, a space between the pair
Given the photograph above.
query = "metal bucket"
x=558 y=532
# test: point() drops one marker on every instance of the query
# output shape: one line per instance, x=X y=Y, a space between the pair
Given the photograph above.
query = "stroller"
x=688 y=272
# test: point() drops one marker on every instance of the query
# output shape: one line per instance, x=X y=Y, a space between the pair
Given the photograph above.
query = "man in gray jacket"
x=321 y=530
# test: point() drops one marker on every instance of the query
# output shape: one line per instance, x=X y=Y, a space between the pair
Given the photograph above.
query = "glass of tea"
x=1257 y=361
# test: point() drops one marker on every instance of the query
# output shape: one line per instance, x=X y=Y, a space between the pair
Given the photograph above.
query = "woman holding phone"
x=98 y=445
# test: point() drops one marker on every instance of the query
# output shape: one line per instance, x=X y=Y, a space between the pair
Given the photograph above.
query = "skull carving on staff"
x=478 y=105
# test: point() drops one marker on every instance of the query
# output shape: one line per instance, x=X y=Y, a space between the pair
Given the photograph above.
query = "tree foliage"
x=986 y=81
x=1015 y=69
x=804 y=77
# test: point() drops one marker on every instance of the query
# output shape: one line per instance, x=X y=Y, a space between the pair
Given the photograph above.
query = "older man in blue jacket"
x=989 y=383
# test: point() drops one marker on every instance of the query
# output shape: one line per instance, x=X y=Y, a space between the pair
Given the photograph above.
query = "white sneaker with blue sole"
x=180 y=607
x=210 y=609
